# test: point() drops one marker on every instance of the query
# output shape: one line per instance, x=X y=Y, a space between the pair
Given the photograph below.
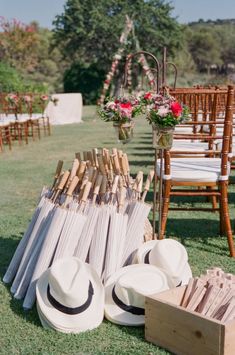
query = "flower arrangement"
x=45 y=98
x=164 y=110
x=121 y=110
x=12 y=99
x=27 y=99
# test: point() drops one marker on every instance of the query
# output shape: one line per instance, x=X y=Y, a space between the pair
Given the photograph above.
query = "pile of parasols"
x=95 y=211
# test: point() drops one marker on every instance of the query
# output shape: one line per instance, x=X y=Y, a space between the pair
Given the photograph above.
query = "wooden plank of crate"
x=228 y=344
x=179 y=330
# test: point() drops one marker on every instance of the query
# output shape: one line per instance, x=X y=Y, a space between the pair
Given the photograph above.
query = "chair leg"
x=226 y=217
x=38 y=129
x=165 y=206
x=48 y=126
x=25 y=129
x=8 y=136
x=212 y=199
x=44 y=126
x=222 y=223
x=1 y=141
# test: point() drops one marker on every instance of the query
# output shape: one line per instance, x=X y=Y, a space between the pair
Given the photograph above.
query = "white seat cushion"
x=219 y=147
x=183 y=129
x=195 y=169
x=188 y=145
x=36 y=116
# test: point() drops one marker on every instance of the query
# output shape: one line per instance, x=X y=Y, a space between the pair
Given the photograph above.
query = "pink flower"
x=44 y=97
x=111 y=105
x=176 y=109
x=163 y=111
x=125 y=113
x=27 y=98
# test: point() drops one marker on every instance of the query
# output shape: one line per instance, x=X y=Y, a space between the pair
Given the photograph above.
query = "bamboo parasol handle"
x=86 y=191
x=63 y=180
x=57 y=172
x=59 y=168
x=147 y=184
x=101 y=165
x=98 y=183
x=78 y=156
x=115 y=185
x=95 y=154
x=72 y=186
x=73 y=172
x=81 y=170
x=116 y=164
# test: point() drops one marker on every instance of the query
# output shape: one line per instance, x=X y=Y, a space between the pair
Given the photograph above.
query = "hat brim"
x=143 y=250
x=112 y=311
x=91 y=318
x=146 y=247
x=47 y=325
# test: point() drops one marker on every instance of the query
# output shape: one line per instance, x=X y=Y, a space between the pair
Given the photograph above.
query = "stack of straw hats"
x=71 y=297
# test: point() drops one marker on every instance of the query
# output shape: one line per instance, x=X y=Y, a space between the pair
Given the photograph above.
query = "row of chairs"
x=20 y=120
x=200 y=161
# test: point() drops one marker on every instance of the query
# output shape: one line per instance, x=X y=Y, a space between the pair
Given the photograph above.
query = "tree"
x=204 y=47
x=84 y=79
x=10 y=79
x=27 y=50
x=18 y=44
x=88 y=31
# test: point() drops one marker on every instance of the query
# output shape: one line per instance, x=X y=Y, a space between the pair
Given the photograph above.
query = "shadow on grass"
x=7 y=249
x=30 y=316
x=142 y=163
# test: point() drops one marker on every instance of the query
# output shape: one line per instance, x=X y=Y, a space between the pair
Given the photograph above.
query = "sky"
x=44 y=11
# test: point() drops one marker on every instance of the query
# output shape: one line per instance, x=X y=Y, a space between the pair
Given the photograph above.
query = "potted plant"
x=121 y=112
x=164 y=112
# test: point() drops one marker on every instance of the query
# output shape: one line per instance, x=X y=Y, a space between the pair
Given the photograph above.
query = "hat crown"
x=132 y=287
x=69 y=282
x=169 y=255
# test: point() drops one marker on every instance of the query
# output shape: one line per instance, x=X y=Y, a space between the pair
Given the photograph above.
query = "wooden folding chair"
x=209 y=173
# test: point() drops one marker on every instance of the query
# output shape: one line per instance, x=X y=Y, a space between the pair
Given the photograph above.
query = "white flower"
x=111 y=105
x=163 y=111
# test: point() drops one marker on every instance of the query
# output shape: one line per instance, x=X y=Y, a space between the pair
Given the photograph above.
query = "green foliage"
x=12 y=81
x=84 y=79
x=88 y=32
x=211 y=43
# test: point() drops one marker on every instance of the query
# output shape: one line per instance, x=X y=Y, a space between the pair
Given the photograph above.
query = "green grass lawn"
x=23 y=172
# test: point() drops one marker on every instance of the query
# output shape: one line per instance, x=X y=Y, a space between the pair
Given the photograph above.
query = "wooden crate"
x=171 y=326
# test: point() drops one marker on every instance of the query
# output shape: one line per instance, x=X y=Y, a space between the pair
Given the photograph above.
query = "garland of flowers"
x=116 y=58
x=143 y=62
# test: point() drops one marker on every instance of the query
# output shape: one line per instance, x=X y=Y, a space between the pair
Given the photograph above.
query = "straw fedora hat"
x=168 y=255
x=70 y=296
x=126 y=289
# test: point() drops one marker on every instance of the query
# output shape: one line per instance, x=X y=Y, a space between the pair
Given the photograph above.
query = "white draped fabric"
x=67 y=110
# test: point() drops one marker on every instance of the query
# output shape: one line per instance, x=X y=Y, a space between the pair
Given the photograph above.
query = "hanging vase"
x=124 y=131
x=162 y=136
